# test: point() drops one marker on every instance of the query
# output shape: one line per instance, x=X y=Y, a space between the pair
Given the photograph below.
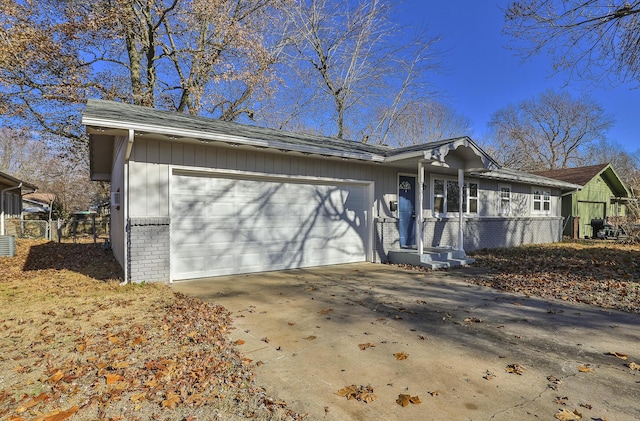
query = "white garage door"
x=223 y=226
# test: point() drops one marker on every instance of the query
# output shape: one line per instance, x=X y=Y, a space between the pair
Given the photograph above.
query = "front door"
x=406 y=210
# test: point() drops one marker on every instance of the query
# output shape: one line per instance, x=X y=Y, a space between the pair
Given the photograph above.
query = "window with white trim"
x=541 y=201
x=505 y=199
x=446 y=197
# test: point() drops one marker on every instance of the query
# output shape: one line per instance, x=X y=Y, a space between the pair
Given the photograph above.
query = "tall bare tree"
x=198 y=56
x=549 y=131
x=20 y=155
x=351 y=57
x=594 y=39
x=626 y=164
x=428 y=121
x=210 y=57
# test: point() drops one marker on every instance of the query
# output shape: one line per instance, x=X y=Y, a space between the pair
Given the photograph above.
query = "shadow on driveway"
x=302 y=329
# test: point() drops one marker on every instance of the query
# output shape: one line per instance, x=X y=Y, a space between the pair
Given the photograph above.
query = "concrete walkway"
x=303 y=329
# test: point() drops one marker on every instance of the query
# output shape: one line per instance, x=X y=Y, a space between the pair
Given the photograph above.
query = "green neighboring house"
x=603 y=195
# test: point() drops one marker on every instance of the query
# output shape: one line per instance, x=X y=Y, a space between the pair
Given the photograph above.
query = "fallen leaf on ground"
x=113 y=378
x=566 y=415
x=470 y=320
x=619 y=355
x=401 y=356
x=404 y=400
x=56 y=377
x=554 y=382
x=359 y=393
x=33 y=402
x=586 y=405
x=326 y=311
x=58 y=415
x=585 y=369
x=515 y=369
x=310 y=338
x=488 y=375
x=239 y=342
x=365 y=346
x=633 y=366
x=171 y=401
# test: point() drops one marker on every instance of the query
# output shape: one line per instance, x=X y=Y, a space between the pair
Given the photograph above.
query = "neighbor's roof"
x=46 y=198
x=15 y=182
x=582 y=175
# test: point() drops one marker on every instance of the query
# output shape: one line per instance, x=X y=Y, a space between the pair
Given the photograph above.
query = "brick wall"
x=493 y=232
x=149 y=249
x=478 y=233
x=510 y=232
x=387 y=238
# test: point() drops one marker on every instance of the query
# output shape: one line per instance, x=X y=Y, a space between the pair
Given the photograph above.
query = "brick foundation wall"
x=387 y=237
x=148 y=250
x=493 y=232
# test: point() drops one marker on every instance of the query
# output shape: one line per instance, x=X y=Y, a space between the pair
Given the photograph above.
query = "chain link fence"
x=28 y=228
x=72 y=228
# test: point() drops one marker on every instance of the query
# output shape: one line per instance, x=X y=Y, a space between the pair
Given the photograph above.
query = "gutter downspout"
x=420 y=219
x=125 y=206
x=19 y=186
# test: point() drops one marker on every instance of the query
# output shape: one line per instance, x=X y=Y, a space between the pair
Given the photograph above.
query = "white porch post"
x=419 y=206
x=461 y=210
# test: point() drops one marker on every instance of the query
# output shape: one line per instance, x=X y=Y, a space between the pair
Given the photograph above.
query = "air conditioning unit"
x=7 y=245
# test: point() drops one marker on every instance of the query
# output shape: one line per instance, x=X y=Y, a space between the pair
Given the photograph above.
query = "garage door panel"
x=231 y=226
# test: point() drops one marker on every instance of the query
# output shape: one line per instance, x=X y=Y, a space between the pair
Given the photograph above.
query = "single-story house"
x=11 y=191
x=194 y=197
x=602 y=195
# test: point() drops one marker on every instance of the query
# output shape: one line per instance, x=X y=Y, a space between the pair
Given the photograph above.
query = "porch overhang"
x=460 y=153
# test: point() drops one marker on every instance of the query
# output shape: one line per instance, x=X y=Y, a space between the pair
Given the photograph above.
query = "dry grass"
x=76 y=344
x=602 y=273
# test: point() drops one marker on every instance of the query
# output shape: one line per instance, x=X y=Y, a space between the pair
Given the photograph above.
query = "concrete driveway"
x=303 y=329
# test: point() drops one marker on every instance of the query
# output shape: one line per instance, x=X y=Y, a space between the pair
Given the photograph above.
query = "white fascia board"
x=403 y=156
x=169 y=131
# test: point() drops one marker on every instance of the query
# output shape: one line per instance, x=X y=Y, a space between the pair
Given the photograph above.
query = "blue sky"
x=481 y=75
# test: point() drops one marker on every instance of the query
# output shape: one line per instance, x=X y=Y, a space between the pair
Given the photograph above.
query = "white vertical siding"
x=149 y=180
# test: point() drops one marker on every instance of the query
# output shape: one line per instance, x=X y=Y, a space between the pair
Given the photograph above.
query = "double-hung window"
x=446 y=197
x=505 y=200
x=541 y=201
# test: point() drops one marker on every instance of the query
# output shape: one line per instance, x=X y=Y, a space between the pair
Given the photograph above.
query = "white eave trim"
x=406 y=155
x=195 y=134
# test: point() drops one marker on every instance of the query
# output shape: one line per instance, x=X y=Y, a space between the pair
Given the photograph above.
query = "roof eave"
x=207 y=137
x=526 y=178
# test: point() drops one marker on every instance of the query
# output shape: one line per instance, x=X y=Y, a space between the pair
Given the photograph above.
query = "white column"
x=461 y=210
x=419 y=206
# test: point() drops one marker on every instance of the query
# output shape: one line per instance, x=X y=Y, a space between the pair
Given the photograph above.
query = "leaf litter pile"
x=591 y=272
x=77 y=345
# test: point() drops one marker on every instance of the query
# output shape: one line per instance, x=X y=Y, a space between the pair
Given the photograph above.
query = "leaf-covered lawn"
x=76 y=344
x=600 y=273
